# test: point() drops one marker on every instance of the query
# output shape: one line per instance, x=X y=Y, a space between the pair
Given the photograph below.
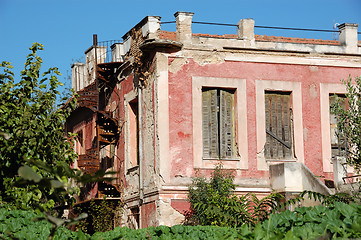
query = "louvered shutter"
x=210 y=123
x=226 y=124
x=279 y=133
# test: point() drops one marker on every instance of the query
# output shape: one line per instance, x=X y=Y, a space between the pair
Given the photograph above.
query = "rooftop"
x=173 y=36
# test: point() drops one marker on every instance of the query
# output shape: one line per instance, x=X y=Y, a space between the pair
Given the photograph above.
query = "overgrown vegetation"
x=349 y=120
x=35 y=150
x=32 y=134
x=214 y=203
x=341 y=220
x=103 y=215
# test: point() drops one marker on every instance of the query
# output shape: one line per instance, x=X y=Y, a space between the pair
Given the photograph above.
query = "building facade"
x=165 y=104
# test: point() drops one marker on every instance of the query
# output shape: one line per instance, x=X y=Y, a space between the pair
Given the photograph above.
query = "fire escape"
x=96 y=97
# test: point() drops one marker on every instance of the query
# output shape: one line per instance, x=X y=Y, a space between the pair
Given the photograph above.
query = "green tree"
x=349 y=120
x=33 y=142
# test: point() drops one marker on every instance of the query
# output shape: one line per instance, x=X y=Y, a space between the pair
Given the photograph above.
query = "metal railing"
x=108 y=50
x=264 y=27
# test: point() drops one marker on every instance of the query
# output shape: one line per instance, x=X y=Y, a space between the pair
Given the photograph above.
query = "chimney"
x=246 y=29
x=348 y=36
x=78 y=76
x=184 y=24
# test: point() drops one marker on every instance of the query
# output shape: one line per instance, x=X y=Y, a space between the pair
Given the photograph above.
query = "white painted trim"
x=241 y=120
x=317 y=61
x=295 y=88
x=325 y=90
x=163 y=115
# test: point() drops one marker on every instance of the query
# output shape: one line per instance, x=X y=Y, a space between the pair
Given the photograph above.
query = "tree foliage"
x=349 y=120
x=34 y=147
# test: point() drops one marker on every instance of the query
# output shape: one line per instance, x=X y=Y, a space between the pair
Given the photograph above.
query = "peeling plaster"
x=313 y=91
x=305 y=134
x=177 y=64
x=209 y=58
x=167 y=215
x=313 y=68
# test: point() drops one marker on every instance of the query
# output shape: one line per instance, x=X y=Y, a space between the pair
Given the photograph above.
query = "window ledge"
x=281 y=160
x=225 y=159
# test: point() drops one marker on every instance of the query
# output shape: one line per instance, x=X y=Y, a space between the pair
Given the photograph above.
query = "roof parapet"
x=150 y=27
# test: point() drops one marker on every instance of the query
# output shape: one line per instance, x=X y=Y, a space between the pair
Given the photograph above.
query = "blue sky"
x=65 y=27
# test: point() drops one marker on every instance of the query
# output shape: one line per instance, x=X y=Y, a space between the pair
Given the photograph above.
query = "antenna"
x=335 y=26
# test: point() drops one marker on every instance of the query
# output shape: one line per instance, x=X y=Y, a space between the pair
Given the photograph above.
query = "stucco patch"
x=177 y=64
x=209 y=58
x=313 y=91
x=313 y=68
x=168 y=216
x=305 y=134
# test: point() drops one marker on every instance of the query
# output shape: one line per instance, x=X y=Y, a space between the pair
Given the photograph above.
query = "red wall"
x=148 y=215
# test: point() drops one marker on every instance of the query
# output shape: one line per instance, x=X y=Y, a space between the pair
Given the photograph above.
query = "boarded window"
x=279 y=131
x=338 y=143
x=218 y=123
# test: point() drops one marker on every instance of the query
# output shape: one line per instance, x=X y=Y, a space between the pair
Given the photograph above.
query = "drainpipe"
x=140 y=149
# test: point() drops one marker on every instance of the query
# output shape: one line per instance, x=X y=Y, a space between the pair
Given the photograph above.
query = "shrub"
x=213 y=202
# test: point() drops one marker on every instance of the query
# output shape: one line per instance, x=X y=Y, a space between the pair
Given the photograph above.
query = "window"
x=338 y=143
x=202 y=128
x=218 y=125
x=133 y=132
x=279 y=130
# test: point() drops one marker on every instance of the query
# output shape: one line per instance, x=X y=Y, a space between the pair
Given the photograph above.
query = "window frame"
x=327 y=89
x=290 y=155
x=220 y=152
x=129 y=99
x=296 y=97
x=337 y=145
x=240 y=118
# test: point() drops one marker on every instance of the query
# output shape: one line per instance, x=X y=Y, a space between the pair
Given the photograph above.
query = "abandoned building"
x=158 y=105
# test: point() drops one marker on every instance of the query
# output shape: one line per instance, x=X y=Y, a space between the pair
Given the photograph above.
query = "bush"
x=213 y=202
x=20 y=224
x=175 y=232
x=102 y=215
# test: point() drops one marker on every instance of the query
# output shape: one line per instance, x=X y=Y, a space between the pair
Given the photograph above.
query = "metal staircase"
x=96 y=97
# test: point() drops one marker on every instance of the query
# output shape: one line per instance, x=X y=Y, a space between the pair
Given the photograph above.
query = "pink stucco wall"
x=180 y=107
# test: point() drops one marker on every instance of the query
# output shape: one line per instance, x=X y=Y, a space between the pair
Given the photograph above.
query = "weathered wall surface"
x=180 y=106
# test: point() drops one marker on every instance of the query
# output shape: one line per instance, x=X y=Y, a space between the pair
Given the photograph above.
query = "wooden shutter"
x=210 y=123
x=338 y=142
x=226 y=124
x=279 y=133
